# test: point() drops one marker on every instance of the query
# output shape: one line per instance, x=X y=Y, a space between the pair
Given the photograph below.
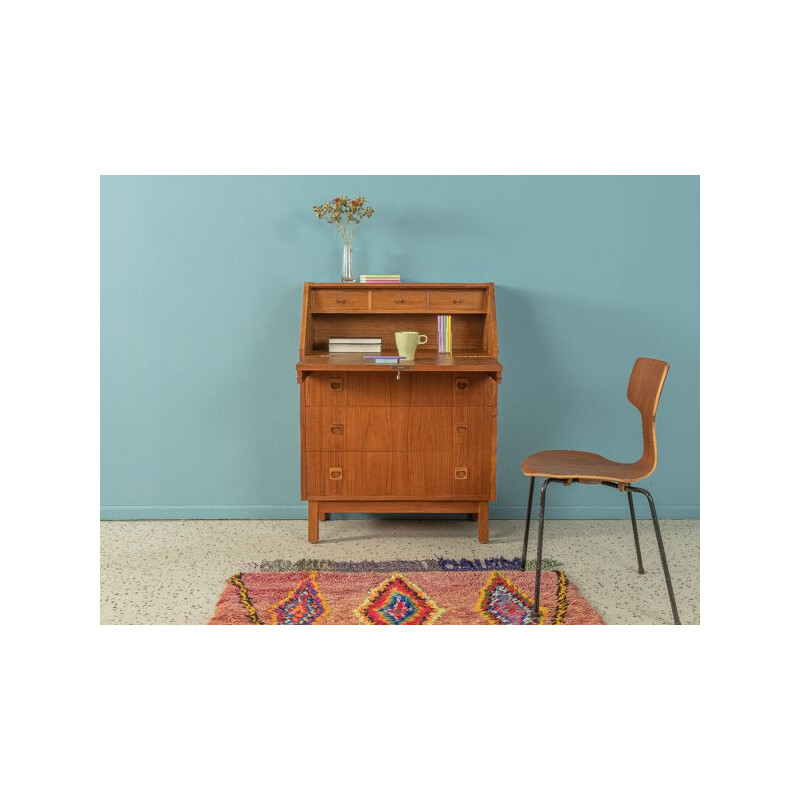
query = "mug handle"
x=423 y=339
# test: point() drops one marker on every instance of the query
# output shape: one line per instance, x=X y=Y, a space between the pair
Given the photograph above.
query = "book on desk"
x=355 y=345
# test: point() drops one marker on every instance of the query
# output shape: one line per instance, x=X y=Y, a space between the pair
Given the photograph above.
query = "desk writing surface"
x=424 y=362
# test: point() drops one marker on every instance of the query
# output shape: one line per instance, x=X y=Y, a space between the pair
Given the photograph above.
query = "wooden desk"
x=415 y=438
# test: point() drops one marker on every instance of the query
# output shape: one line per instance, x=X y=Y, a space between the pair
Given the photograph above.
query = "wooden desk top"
x=396 y=286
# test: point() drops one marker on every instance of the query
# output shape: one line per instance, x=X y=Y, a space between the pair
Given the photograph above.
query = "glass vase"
x=347 y=264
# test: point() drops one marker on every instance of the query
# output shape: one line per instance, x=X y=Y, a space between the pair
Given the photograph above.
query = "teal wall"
x=201 y=282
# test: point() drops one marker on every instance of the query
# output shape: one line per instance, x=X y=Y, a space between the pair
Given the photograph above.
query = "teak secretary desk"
x=417 y=437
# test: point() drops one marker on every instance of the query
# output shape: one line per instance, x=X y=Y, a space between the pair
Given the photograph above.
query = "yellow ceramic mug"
x=407 y=342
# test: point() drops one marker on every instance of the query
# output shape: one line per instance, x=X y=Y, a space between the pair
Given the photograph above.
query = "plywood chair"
x=565 y=466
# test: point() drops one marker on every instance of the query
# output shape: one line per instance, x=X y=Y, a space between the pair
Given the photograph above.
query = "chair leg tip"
x=641 y=570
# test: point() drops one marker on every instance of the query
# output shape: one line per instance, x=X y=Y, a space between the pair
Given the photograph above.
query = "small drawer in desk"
x=355 y=389
x=335 y=300
x=399 y=300
x=356 y=430
x=452 y=301
x=348 y=474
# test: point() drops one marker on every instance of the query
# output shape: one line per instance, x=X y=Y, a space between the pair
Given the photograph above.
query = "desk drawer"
x=368 y=389
x=339 y=389
x=339 y=430
x=452 y=301
x=461 y=431
x=399 y=300
x=442 y=475
x=336 y=300
x=348 y=474
x=406 y=475
x=455 y=389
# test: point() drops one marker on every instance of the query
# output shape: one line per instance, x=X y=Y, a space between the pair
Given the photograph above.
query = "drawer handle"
x=337 y=429
x=457 y=300
x=399 y=300
x=461 y=429
x=336 y=386
x=461 y=473
x=462 y=384
x=340 y=300
x=336 y=473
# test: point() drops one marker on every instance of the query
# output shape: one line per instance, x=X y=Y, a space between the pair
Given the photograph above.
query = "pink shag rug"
x=400 y=593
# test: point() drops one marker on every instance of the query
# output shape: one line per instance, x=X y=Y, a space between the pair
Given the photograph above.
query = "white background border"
x=504 y=88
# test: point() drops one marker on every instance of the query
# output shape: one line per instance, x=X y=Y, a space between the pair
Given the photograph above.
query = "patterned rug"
x=431 y=592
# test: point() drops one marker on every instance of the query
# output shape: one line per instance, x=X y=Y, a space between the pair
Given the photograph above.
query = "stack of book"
x=354 y=344
x=444 y=325
x=380 y=279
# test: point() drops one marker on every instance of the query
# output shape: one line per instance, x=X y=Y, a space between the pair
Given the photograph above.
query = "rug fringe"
x=428 y=564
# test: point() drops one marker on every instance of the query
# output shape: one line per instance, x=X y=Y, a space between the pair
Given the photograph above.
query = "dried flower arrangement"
x=346 y=214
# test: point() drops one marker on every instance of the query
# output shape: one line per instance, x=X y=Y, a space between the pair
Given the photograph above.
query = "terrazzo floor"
x=171 y=572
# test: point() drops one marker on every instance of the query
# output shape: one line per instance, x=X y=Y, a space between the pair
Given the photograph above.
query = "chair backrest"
x=644 y=391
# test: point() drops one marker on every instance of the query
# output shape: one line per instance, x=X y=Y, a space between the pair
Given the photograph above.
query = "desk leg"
x=313 y=521
x=483 y=522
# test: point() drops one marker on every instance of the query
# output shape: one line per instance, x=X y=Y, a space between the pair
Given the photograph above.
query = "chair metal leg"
x=660 y=549
x=635 y=533
x=527 y=525
x=542 y=498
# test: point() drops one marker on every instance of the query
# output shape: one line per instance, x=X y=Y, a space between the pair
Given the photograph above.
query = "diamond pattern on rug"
x=399 y=596
x=304 y=606
x=397 y=601
x=502 y=603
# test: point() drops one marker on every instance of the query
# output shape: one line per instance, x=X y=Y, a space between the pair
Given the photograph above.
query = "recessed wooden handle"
x=399 y=300
x=457 y=300
x=340 y=300
x=336 y=386
x=337 y=429
x=461 y=429
x=462 y=384
x=461 y=473
x=335 y=473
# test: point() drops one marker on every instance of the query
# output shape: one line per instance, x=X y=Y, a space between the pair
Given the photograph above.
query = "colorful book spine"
x=444 y=323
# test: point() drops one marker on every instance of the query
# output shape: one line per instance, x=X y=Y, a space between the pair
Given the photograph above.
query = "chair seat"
x=578 y=464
